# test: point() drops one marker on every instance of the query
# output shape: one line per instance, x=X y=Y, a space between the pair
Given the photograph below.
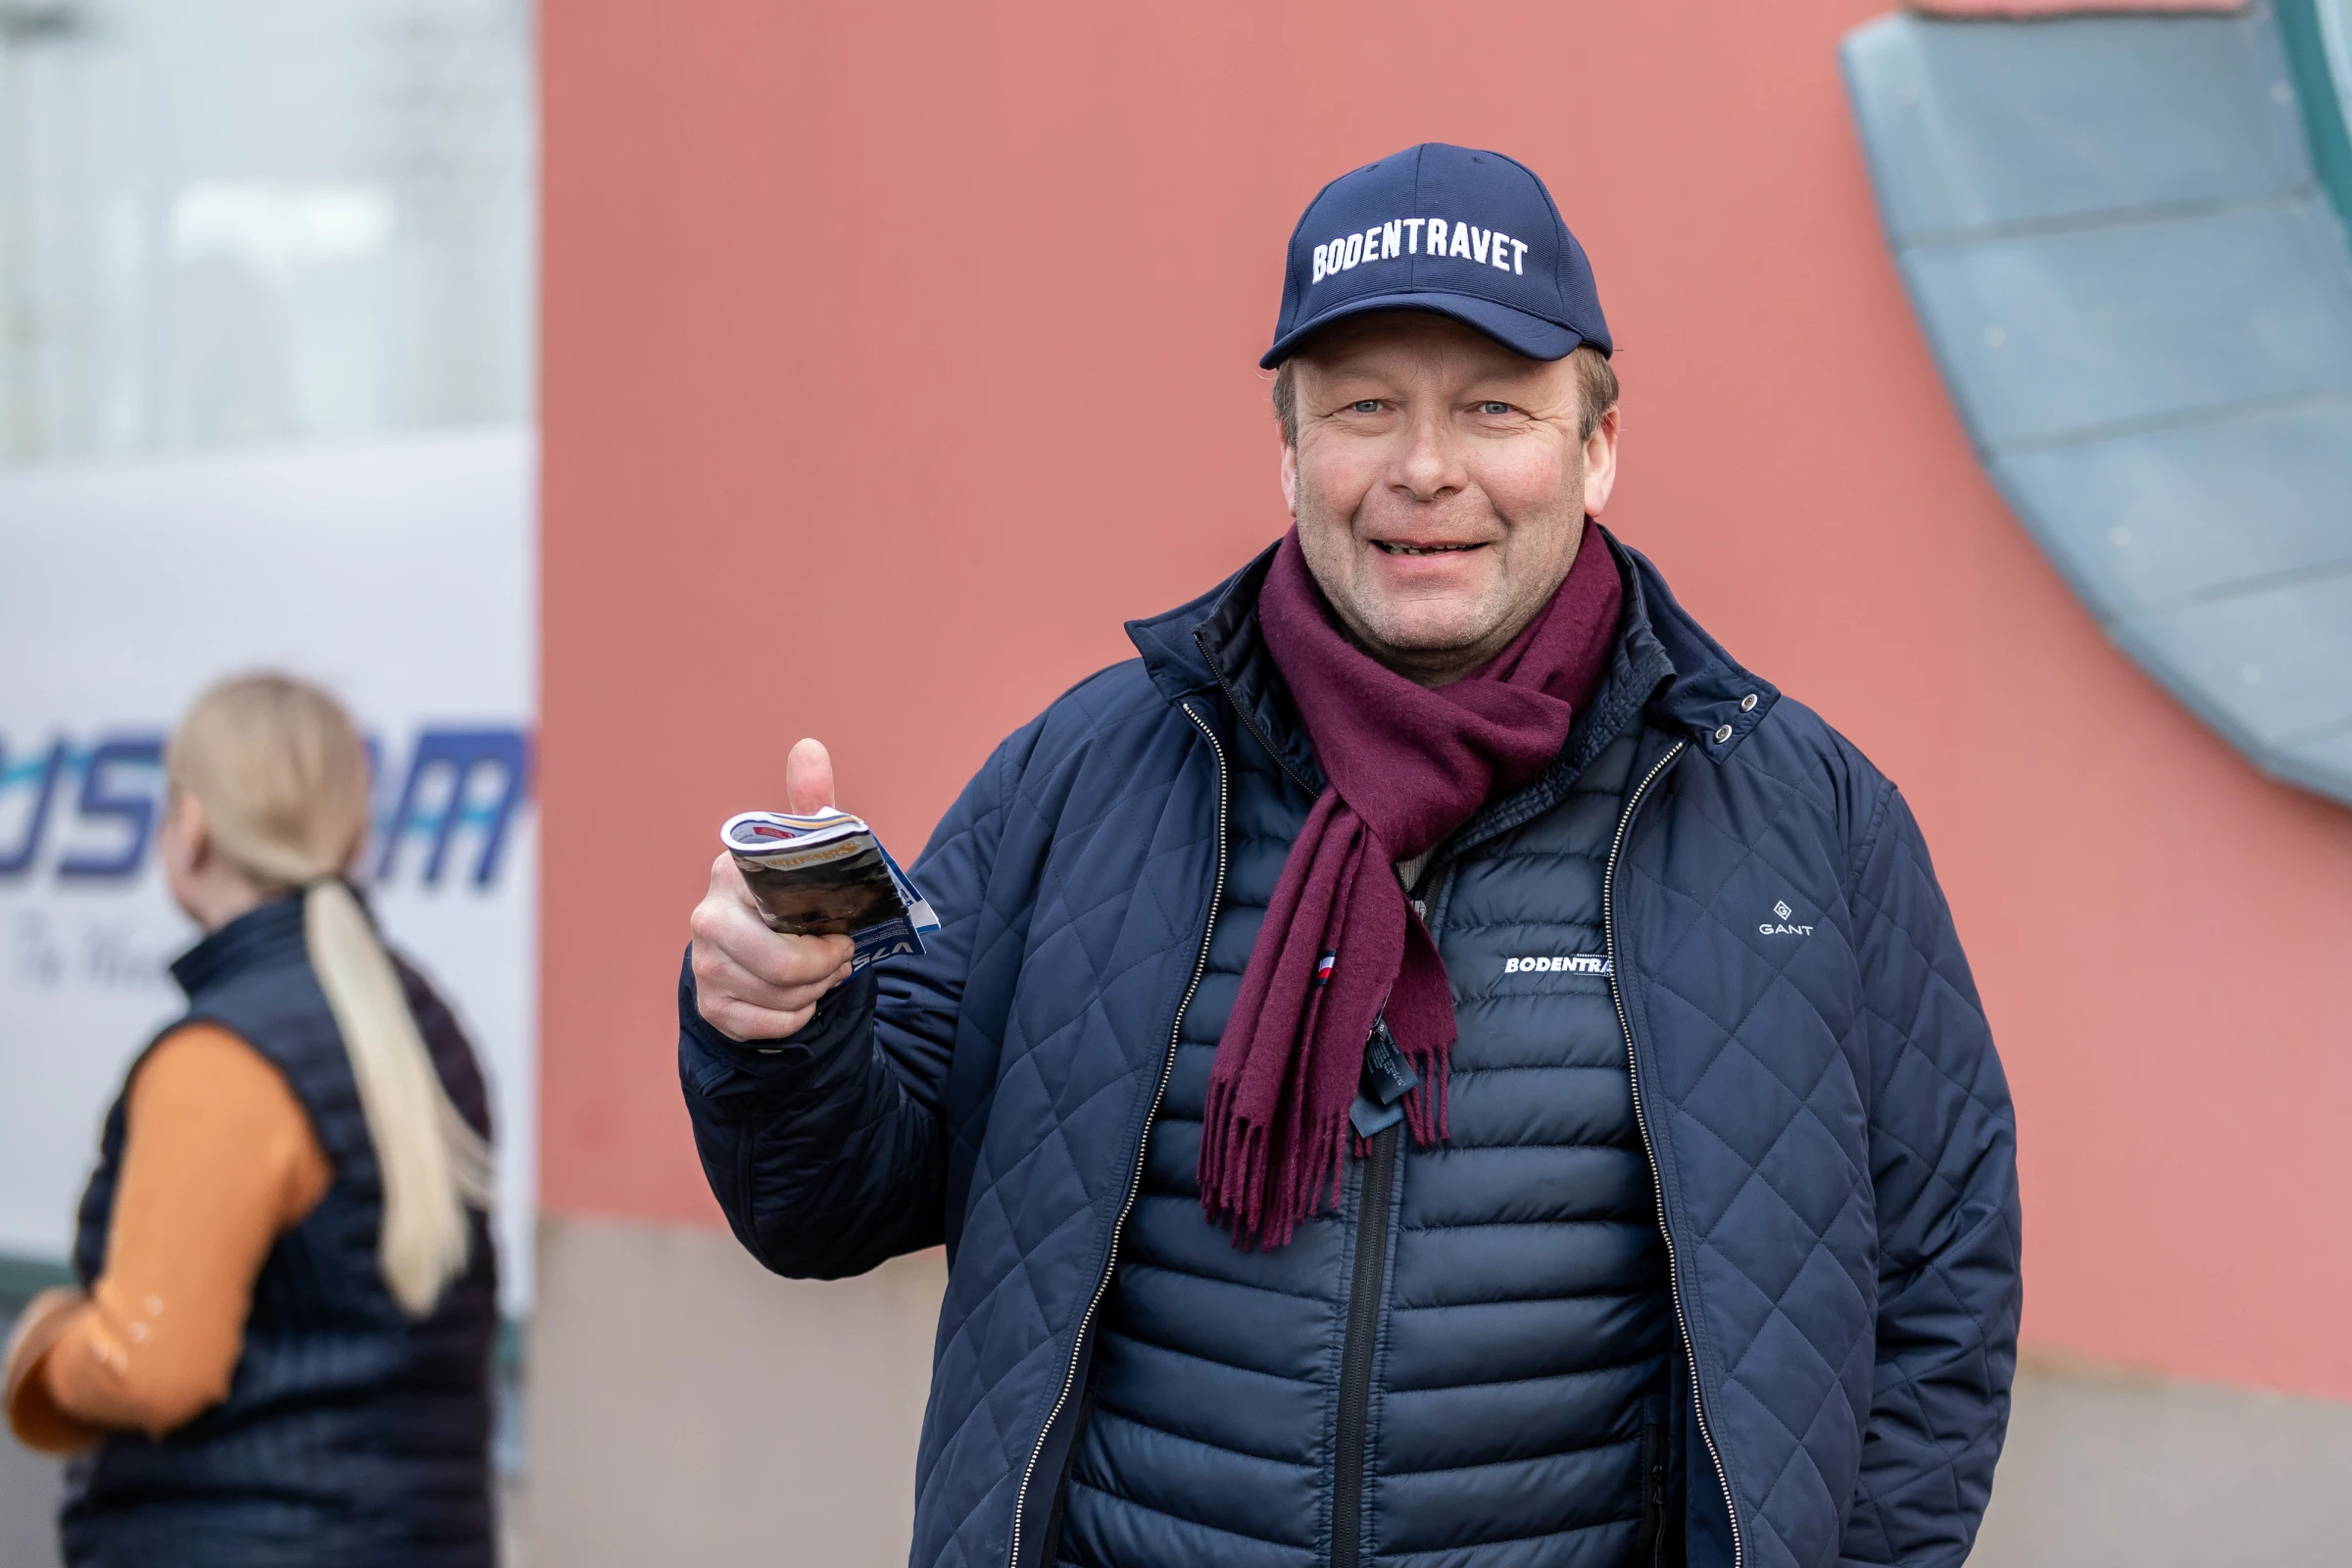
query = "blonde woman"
x=280 y=1350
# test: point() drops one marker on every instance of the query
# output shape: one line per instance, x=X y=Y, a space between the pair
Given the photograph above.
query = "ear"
x=1601 y=463
x=186 y=841
x=1290 y=479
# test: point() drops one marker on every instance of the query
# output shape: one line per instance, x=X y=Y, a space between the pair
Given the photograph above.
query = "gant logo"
x=1781 y=913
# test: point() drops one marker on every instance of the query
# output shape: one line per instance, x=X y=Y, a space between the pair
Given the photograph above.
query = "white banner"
x=402 y=576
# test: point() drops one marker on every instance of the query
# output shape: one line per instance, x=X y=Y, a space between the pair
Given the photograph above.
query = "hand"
x=33 y=1411
x=751 y=983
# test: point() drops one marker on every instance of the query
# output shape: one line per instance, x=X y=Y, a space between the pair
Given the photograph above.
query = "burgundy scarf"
x=1405 y=768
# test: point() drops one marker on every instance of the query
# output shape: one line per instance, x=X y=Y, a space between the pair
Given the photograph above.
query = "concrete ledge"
x=2109 y=1470
x=685 y=1405
x=688 y=1407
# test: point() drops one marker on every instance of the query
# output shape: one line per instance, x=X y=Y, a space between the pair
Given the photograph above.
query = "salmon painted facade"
x=962 y=305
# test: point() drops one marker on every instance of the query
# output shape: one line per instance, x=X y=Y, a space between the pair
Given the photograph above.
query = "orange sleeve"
x=220 y=1159
x=33 y=1415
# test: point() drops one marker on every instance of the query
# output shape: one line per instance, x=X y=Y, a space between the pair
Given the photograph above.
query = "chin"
x=1428 y=633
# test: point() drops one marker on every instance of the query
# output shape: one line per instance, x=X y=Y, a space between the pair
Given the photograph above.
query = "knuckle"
x=804 y=961
x=772 y=964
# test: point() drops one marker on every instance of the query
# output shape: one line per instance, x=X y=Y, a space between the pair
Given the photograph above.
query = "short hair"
x=1596 y=385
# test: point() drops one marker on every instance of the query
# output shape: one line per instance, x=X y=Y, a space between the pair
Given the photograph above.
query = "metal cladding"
x=2140 y=296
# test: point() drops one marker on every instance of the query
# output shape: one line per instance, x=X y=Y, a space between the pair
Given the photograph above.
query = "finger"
x=731 y=932
x=809 y=777
x=720 y=977
x=729 y=916
x=744 y=1007
x=728 y=887
x=743 y=1023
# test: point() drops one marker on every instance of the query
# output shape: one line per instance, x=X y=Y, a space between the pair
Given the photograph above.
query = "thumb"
x=809 y=777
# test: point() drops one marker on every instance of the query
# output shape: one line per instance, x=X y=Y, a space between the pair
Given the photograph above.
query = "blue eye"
x=1367 y=406
x=1494 y=408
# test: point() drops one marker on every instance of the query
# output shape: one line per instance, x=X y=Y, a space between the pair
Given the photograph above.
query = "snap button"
x=1748 y=704
x=1723 y=734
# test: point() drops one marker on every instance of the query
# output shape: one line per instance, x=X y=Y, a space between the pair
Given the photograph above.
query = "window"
x=237 y=222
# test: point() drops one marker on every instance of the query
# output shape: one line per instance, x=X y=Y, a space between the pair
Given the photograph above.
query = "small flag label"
x=1324 y=966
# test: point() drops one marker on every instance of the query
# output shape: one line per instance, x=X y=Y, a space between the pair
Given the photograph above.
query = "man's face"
x=1439 y=486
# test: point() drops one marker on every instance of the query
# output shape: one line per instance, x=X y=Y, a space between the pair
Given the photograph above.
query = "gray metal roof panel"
x=2044 y=335
x=2157 y=518
x=2269 y=666
x=2143 y=305
x=1986 y=129
x=2321 y=764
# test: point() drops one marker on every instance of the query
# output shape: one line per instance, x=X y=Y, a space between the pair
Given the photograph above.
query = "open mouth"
x=1423 y=550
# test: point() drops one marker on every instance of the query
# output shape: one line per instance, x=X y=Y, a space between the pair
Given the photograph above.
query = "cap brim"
x=1516 y=331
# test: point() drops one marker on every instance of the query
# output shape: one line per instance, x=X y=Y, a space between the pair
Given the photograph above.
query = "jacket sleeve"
x=825 y=1149
x=1943 y=1155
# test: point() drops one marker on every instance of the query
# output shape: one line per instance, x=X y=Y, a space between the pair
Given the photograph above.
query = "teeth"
x=1423 y=550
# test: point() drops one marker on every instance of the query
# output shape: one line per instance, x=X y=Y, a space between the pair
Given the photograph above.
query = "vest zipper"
x=1135 y=1177
x=1633 y=1069
x=1374 y=1200
x=1356 y=1353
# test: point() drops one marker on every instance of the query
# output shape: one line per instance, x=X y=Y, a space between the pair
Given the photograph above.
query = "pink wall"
x=969 y=300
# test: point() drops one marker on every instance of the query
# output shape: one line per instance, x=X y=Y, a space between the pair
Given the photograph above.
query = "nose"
x=1430 y=467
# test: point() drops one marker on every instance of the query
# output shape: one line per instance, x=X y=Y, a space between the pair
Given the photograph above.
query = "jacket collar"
x=1214 y=645
x=1665 y=664
x=267 y=932
x=1170 y=640
x=1707 y=697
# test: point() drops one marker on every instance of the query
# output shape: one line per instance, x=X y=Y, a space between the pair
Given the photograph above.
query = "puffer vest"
x=1493 y=1310
x=349 y=1435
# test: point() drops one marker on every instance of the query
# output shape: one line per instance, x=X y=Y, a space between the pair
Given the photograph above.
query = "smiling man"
x=1433 y=1063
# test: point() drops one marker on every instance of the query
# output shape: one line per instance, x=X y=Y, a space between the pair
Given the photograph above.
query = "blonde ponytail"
x=433 y=1163
x=282 y=777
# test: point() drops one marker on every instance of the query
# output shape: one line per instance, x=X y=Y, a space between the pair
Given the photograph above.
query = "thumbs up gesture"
x=751 y=983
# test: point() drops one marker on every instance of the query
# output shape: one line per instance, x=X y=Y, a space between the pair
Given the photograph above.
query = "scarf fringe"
x=1425 y=1107
x=1262 y=1208
x=1260 y=1204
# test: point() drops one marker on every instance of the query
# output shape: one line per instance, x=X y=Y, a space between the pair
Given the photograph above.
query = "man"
x=1431 y=1063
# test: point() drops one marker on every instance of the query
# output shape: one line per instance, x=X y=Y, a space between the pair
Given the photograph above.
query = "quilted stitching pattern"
x=1834 y=1122
x=1117 y=908
x=1213 y=1367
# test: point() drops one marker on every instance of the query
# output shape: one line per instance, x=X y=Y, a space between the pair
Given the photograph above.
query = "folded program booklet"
x=827 y=874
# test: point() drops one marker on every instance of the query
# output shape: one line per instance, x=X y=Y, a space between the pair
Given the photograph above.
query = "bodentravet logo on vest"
x=400 y=576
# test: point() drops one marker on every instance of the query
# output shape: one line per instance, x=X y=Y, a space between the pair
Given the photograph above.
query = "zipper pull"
x=1388 y=1078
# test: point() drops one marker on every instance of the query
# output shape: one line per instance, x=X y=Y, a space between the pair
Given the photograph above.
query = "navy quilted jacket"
x=1817 y=1090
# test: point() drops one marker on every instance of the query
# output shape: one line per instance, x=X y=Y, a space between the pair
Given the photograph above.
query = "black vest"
x=1513 y=1409
x=349 y=1435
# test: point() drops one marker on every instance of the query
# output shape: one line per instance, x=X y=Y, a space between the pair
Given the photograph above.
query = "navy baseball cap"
x=1469 y=235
